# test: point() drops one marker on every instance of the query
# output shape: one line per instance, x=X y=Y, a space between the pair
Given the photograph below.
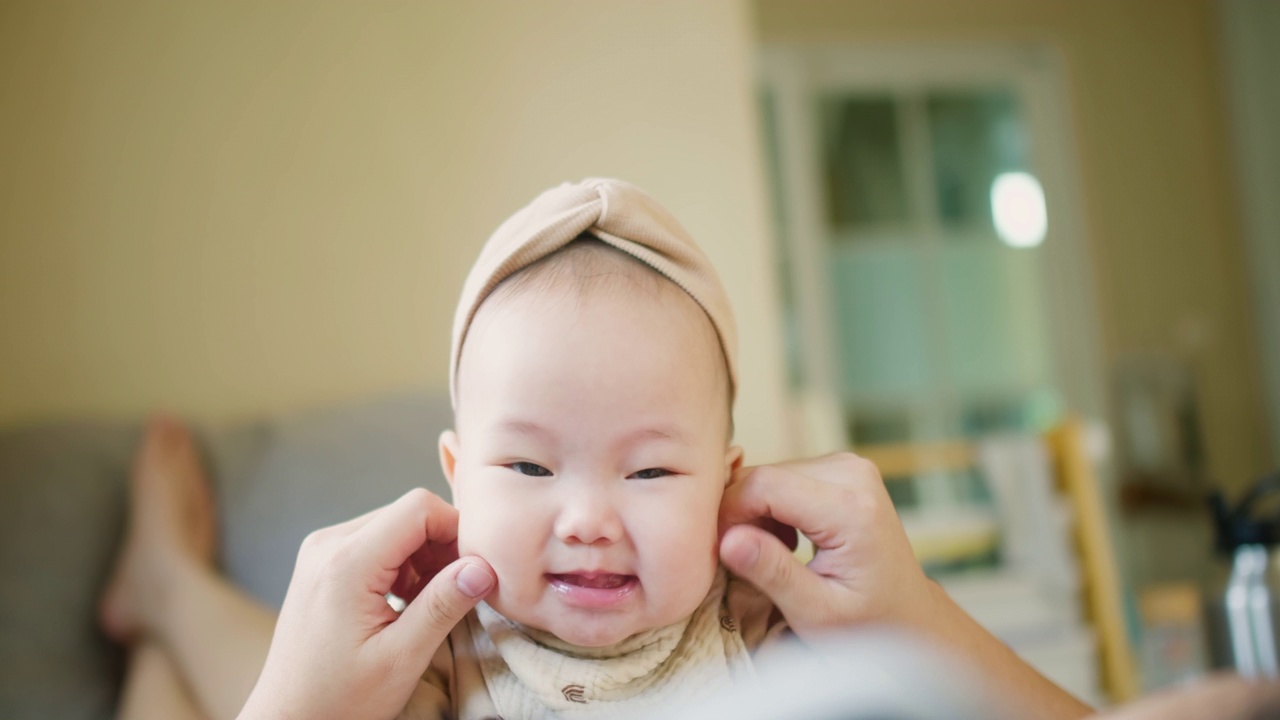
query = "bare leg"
x=153 y=689
x=218 y=636
x=166 y=593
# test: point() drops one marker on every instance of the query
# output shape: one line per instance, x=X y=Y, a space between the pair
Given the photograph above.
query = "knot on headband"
x=620 y=215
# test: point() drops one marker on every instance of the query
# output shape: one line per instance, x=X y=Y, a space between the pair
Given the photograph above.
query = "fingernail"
x=743 y=554
x=474 y=581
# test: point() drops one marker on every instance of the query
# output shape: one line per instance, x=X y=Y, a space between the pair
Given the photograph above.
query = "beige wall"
x=1160 y=211
x=1250 y=31
x=236 y=208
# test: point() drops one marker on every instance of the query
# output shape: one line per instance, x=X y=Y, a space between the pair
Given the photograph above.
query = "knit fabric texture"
x=620 y=215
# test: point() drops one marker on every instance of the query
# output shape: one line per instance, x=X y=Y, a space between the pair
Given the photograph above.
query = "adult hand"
x=863 y=569
x=339 y=650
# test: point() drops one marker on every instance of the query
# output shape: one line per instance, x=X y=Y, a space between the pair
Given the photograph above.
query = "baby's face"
x=590 y=458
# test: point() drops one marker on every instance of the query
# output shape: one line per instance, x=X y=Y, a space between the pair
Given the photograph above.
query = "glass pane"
x=879 y=427
x=865 y=180
x=995 y=325
x=881 y=303
x=902 y=494
x=975 y=137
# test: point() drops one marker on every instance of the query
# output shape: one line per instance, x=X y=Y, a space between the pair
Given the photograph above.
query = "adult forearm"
x=1025 y=691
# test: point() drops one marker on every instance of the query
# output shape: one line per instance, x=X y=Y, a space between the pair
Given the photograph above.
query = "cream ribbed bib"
x=493 y=667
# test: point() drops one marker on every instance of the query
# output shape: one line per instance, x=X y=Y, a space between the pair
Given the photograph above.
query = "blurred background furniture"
x=1033 y=560
x=242 y=210
x=62 y=514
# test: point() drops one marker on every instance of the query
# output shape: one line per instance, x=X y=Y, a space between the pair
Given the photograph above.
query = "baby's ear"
x=449 y=456
x=732 y=461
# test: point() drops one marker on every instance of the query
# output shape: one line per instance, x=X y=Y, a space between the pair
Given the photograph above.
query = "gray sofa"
x=62 y=513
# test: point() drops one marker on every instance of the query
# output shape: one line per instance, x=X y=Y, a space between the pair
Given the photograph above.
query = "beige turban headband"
x=617 y=213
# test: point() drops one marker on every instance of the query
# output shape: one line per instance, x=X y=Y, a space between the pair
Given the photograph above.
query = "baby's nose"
x=588 y=516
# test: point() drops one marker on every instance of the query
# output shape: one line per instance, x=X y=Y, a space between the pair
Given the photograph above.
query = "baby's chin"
x=602 y=630
x=593 y=637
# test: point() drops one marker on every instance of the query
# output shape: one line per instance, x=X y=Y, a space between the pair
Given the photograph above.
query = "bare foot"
x=171 y=522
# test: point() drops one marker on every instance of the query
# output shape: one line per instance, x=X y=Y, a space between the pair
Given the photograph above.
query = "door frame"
x=791 y=74
x=1250 y=55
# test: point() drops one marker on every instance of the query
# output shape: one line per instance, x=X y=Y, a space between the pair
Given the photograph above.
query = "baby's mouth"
x=594 y=581
x=594 y=591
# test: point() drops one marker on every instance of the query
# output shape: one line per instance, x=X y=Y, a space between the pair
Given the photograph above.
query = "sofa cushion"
x=322 y=468
x=62 y=516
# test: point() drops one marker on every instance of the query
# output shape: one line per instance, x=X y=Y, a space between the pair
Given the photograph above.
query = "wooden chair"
x=1076 y=478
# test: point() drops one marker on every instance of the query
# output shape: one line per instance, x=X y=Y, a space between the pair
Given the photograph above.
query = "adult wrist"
x=930 y=613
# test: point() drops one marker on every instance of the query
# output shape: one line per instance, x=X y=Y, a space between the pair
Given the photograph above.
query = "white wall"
x=236 y=208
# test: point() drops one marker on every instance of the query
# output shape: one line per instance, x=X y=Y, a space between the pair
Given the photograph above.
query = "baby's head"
x=592 y=403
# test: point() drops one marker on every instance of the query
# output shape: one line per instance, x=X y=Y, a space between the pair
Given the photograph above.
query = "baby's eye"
x=530 y=469
x=650 y=474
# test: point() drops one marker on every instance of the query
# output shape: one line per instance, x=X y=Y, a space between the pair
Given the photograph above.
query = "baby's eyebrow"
x=524 y=427
x=663 y=432
x=671 y=434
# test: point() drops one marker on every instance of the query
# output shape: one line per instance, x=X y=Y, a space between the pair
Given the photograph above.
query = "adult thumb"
x=450 y=595
x=760 y=558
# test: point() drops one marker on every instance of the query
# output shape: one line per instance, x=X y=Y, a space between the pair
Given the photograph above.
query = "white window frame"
x=794 y=75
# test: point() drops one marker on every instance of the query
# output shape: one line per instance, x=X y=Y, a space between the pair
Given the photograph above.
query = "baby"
x=593 y=377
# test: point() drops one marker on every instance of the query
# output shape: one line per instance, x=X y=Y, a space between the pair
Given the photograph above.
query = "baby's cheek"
x=488 y=528
x=476 y=532
x=513 y=553
x=685 y=555
x=467 y=541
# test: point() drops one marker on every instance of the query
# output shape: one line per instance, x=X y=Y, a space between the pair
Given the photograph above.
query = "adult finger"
x=432 y=557
x=761 y=559
x=424 y=564
x=427 y=621
x=393 y=535
x=788 y=535
x=408 y=582
x=811 y=506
